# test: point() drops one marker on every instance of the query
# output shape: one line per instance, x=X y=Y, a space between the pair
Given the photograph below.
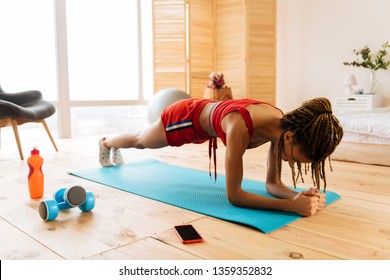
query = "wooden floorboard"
x=145 y=249
x=127 y=226
x=236 y=242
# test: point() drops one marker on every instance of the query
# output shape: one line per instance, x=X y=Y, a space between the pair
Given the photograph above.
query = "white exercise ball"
x=161 y=100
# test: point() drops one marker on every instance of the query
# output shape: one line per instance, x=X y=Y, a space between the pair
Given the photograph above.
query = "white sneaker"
x=104 y=154
x=117 y=156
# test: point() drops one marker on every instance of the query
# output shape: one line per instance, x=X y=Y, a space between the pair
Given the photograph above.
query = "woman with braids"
x=307 y=135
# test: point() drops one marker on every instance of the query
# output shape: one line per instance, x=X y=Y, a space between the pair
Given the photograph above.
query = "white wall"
x=315 y=37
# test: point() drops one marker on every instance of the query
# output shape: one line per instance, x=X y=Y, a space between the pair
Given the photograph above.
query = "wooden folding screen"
x=169 y=44
x=230 y=20
x=261 y=50
x=201 y=44
x=236 y=37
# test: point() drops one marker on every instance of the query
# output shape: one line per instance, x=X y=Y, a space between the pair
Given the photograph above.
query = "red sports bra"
x=220 y=111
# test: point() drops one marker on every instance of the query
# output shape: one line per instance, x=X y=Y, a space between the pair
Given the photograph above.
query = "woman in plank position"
x=308 y=134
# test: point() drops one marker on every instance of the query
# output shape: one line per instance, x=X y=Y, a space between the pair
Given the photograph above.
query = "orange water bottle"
x=35 y=176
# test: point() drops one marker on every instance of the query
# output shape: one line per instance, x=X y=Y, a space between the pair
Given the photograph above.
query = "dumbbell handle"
x=72 y=197
x=64 y=205
x=87 y=205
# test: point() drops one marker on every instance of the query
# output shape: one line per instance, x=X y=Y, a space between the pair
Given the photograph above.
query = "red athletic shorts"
x=181 y=122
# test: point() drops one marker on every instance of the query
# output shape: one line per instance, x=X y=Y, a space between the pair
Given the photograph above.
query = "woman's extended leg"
x=153 y=137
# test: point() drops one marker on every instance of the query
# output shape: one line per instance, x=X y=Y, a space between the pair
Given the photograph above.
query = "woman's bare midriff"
x=204 y=118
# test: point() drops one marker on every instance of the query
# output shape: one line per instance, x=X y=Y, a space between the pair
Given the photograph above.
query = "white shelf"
x=355 y=102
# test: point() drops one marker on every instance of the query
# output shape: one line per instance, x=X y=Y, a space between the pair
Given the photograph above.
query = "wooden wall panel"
x=230 y=43
x=201 y=44
x=261 y=50
x=169 y=44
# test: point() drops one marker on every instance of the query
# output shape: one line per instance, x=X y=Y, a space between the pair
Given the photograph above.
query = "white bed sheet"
x=366 y=126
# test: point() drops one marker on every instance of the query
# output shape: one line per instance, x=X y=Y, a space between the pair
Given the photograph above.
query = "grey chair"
x=22 y=107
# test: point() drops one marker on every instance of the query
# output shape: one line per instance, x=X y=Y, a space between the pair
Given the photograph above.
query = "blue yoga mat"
x=190 y=189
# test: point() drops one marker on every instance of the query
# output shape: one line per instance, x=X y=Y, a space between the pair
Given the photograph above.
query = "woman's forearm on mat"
x=280 y=190
x=246 y=199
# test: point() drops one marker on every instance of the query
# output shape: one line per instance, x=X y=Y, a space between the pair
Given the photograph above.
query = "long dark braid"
x=317 y=132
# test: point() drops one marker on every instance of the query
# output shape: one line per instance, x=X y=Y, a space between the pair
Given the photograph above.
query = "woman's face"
x=291 y=152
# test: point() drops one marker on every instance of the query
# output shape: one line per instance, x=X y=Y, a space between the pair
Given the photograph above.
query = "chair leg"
x=48 y=133
x=16 y=132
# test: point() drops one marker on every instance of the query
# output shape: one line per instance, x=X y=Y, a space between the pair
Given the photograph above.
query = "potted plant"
x=216 y=88
x=373 y=62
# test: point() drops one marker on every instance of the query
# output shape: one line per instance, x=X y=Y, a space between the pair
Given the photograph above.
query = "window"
x=103 y=49
x=27 y=49
x=110 y=65
x=107 y=50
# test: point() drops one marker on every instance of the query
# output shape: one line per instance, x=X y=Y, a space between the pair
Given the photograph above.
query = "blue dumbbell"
x=64 y=198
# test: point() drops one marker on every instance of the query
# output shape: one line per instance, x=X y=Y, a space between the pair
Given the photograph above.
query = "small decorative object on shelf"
x=216 y=80
x=349 y=81
x=365 y=59
x=216 y=88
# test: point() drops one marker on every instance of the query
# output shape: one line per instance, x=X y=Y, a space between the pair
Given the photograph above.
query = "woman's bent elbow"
x=234 y=200
x=271 y=188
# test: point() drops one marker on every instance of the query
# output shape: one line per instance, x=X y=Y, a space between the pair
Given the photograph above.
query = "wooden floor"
x=126 y=226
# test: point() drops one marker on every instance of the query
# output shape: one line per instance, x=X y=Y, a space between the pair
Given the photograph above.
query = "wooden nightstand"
x=355 y=102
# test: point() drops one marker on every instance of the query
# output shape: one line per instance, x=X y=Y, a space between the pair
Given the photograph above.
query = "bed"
x=366 y=136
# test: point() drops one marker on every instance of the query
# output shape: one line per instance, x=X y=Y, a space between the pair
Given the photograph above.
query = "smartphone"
x=187 y=234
